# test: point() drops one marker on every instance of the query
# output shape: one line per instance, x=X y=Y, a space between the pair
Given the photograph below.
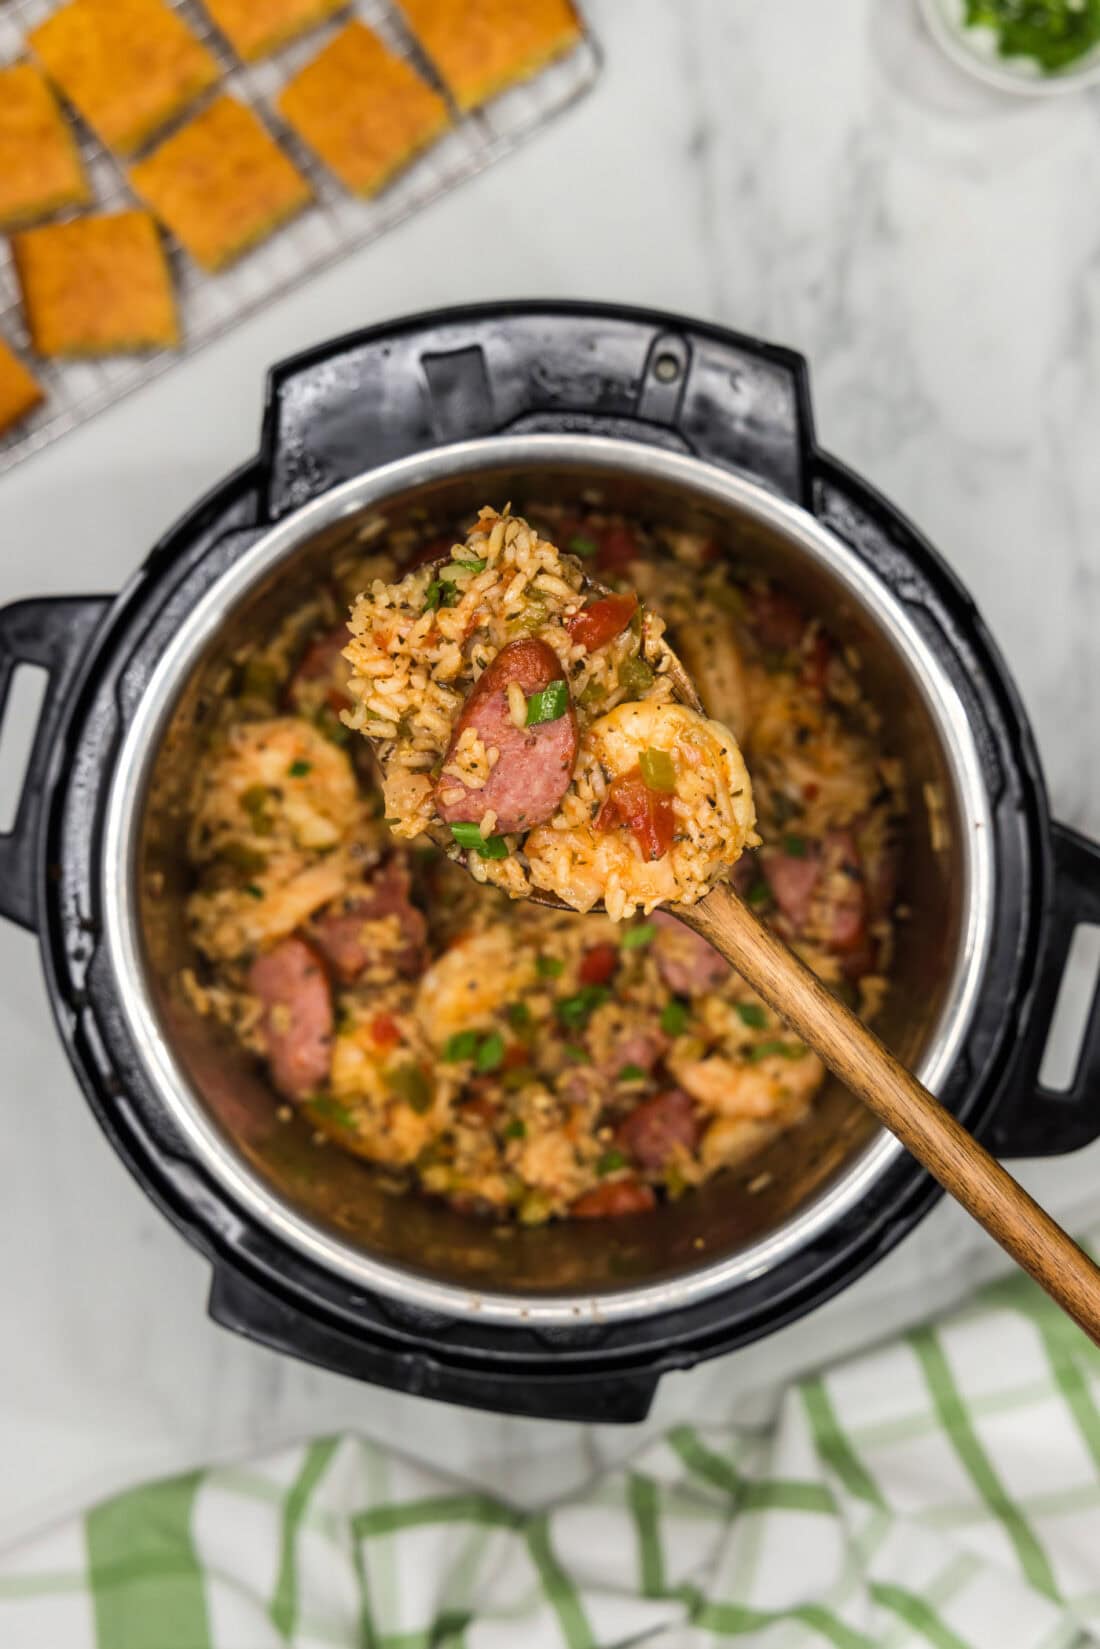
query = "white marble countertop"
x=811 y=173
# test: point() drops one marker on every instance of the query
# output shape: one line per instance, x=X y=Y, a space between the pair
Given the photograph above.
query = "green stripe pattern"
x=940 y=1492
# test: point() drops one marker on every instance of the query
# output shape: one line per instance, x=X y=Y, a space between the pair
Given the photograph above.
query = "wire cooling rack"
x=336 y=222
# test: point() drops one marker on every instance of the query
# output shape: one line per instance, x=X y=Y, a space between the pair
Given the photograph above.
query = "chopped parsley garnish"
x=548 y=705
x=643 y=934
x=751 y=1014
x=575 y=1011
x=674 y=1016
x=610 y=1161
x=490 y=1054
x=549 y=967
x=299 y=769
x=469 y=836
x=782 y=1050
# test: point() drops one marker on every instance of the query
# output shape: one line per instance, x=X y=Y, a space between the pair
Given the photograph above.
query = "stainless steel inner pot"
x=330 y=1206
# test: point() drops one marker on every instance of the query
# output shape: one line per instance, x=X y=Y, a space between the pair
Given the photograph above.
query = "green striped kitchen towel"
x=942 y=1490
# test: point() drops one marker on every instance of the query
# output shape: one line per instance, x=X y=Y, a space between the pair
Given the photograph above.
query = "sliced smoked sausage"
x=535 y=765
x=291 y=983
x=654 y=1129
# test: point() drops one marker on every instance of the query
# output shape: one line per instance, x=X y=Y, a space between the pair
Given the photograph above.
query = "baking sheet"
x=335 y=224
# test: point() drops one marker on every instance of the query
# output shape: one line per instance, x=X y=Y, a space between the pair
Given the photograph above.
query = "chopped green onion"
x=636 y=938
x=548 y=705
x=610 y=1161
x=432 y=595
x=469 y=836
x=253 y=891
x=582 y=545
x=795 y=846
x=451 y=571
x=575 y=1054
x=323 y=1105
x=462 y=1045
x=575 y=1011
x=409 y=1083
x=752 y=1014
x=632 y=1073
x=759 y=893
x=658 y=770
x=519 y=1015
x=299 y=769
x=782 y=1050
x=549 y=967
x=490 y=1055
x=328 y=723
x=674 y=1016
x=635 y=676
x=592 y=696
x=515 y=1129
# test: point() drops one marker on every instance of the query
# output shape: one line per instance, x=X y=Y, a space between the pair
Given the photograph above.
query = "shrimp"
x=749 y=1104
x=670 y=807
x=472 y=981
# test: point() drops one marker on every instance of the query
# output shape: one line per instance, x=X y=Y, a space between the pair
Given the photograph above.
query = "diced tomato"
x=649 y=814
x=381 y=638
x=614 y=1197
x=618 y=548
x=384 y=1031
x=594 y=626
x=598 y=964
x=515 y=1055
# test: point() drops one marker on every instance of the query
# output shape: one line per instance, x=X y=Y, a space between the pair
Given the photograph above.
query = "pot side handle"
x=238 y=1303
x=1039 y=1121
x=54 y=634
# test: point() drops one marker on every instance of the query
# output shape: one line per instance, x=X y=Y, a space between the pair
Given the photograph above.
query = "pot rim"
x=118 y=870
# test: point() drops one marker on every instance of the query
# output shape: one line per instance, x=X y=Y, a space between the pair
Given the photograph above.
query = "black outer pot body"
x=347 y=407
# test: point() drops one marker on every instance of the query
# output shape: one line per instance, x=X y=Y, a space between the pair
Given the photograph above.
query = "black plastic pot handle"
x=53 y=633
x=238 y=1303
x=1040 y=1121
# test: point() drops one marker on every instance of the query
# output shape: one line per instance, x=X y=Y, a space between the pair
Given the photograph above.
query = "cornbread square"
x=19 y=392
x=40 y=168
x=482 y=46
x=363 y=110
x=96 y=286
x=127 y=66
x=221 y=183
x=255 y=28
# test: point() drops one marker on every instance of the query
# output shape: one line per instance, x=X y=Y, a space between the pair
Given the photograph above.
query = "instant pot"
x=422 y=421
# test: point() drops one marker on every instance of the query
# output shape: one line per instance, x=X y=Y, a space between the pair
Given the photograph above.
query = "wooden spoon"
x=854 y=1054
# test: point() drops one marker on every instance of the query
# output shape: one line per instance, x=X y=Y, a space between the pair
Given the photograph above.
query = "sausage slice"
x=535 y=765
x=291 y=983
x=654 y=1129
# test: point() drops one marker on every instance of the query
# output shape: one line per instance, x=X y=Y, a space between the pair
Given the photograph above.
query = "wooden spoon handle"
x=854 y=1054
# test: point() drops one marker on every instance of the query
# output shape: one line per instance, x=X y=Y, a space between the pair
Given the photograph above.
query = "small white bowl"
x=975 y=50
